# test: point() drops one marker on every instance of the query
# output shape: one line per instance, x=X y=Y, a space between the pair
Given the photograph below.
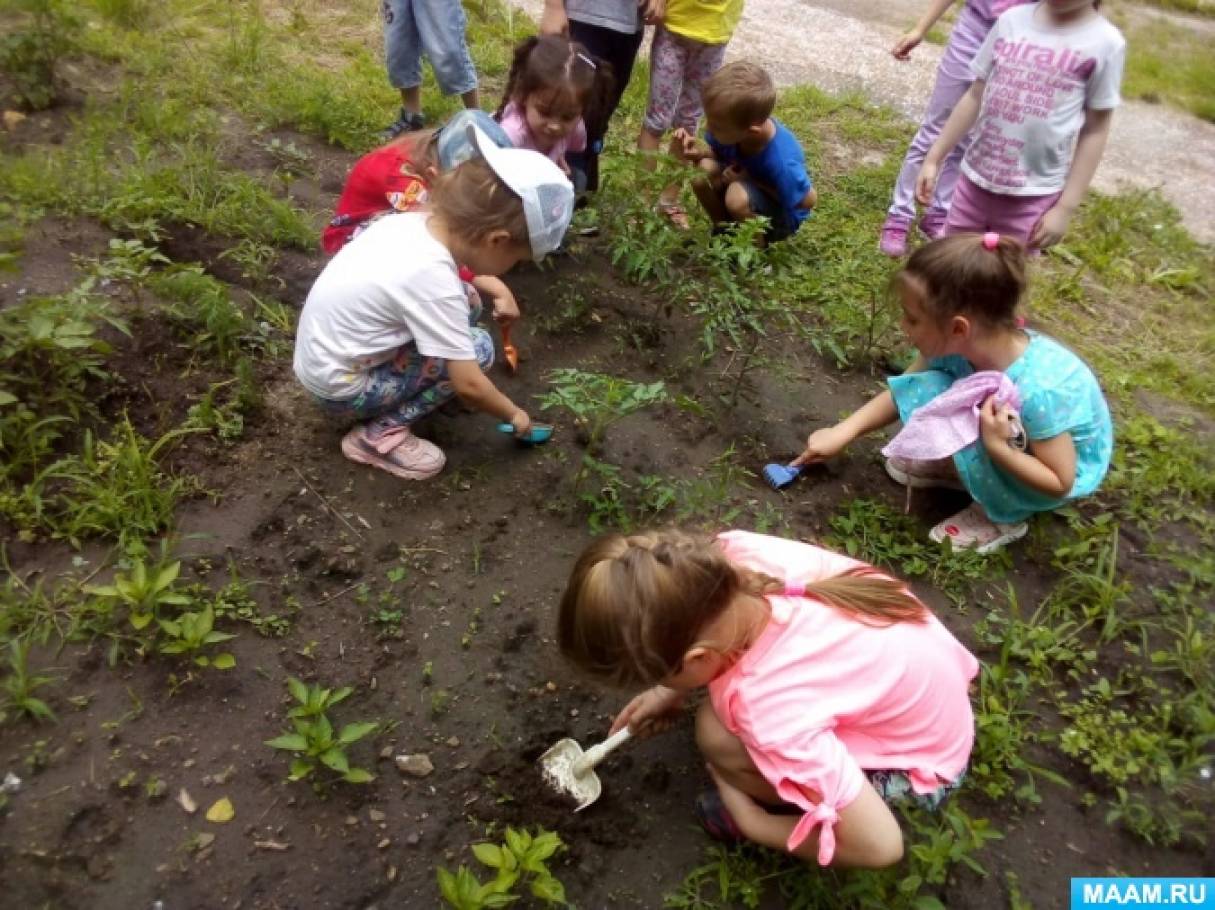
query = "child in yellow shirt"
x=689 y=47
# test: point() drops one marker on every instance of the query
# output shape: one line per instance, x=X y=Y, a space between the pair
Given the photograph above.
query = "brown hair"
x=554 y=64
x=635 y=605
x=474 y=201
x=959 y=275
x=740 y=93
x=420 y=146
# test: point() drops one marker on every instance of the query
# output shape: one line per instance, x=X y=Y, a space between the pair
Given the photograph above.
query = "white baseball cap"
x=548 y=196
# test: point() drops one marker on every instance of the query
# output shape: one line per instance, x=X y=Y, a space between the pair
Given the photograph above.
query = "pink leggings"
x=979 y=210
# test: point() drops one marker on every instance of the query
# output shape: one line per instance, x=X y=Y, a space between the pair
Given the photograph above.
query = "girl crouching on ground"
x=1008 y=415
x=833 y=692
x=388 y=333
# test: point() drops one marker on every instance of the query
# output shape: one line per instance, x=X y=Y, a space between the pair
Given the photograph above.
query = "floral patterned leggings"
x=406 y=388
x=678 y=67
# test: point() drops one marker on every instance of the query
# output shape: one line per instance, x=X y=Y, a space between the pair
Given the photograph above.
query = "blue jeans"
x=434 y=28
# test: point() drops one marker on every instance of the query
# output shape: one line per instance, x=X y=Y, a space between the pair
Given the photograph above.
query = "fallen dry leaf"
x=184 y=800
x=222 y=811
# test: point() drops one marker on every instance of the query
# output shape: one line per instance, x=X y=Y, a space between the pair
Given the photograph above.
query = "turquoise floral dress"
x=1059 y=394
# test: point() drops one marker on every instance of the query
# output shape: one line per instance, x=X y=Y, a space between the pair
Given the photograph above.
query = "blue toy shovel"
x=537 y=434
x=780 y=476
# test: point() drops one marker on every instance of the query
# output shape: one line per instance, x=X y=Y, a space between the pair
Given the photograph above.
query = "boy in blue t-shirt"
x=752 y=164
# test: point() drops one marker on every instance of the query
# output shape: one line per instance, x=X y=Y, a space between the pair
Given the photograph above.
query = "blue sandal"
x=716 y=819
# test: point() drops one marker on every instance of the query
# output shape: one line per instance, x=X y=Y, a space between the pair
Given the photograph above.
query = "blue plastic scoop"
x=780 y=476
x=537 y=434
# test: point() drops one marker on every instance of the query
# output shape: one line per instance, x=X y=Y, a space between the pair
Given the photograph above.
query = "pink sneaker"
x=971 y=529
x=932 y=225
x=407 y=456
x=894 y=237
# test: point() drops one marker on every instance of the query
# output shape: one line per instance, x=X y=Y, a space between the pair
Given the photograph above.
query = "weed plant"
x=878 y=534
x=597 y=400
x=30 y=54
x=19 y=684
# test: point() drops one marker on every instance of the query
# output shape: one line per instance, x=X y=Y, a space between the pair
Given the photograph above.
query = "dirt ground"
x=838 y=45
x=471 y=677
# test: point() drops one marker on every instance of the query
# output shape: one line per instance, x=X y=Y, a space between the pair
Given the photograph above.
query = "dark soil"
x=471 y=677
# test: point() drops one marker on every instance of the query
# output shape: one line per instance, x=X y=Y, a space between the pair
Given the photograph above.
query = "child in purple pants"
x=953 y=79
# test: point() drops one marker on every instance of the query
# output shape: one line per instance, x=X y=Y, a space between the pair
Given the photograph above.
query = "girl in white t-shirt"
x=388 y=331
x=1047 y=80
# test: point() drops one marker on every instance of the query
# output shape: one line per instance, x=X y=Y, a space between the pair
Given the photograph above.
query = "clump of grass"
x=1171 y=63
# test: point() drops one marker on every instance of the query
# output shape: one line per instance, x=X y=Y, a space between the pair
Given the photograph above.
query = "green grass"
x=1171 y=63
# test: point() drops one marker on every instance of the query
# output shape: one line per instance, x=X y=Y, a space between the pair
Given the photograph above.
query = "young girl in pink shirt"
x=553 y=84
x=833 y=692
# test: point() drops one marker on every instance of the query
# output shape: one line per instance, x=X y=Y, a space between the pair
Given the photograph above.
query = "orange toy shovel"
x=509 y=351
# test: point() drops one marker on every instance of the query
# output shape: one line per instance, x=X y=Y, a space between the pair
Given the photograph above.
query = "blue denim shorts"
x=434 y=28
x=780 y=225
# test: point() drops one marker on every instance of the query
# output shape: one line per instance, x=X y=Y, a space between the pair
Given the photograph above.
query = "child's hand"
x=996 y=424
x=685 y=145
x=1050 y=228
x=653 y=711
x=653 y=11
x=732 y=174
x=926 y=182
x=823 y=445
x=905 y=45
x=506 y=308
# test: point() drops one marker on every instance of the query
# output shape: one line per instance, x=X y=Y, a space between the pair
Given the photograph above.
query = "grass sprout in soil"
x=205 y=607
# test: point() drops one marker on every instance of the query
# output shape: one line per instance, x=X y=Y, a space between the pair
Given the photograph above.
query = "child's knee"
x=738 y=203
x=717 y=744
x=483 y=344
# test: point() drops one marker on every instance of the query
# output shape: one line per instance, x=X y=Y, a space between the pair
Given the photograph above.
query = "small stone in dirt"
x=413 y=839
x=352 y=820
x=416 y=765
x=392 y=873
x=186 y=802
x=453 y=741
x=384 y=844
x=551 y=686
x=573 y=712
x=202 y=841
x=376 y=815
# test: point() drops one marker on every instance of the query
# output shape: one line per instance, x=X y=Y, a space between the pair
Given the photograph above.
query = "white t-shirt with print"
x=1040 y=81
x=392 y=284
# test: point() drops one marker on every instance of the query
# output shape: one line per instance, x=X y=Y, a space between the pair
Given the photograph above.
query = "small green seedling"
x=519 y=859
x=190 y=633
x=314 y=741
x=144 y=592
x=314 y=700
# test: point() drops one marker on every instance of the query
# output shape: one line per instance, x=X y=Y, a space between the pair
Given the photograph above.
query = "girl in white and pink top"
x=553 y=84
x=833 y=691
x=1047 y=80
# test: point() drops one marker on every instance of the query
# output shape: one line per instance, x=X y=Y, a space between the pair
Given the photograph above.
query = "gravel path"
x=840 y=45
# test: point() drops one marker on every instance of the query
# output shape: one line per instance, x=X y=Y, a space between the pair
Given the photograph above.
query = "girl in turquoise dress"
x=959 y=297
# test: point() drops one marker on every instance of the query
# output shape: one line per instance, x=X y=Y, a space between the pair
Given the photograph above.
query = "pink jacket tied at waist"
x=950 y=422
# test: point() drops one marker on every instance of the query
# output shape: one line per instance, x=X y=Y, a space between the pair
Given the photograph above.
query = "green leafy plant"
x=192 y=633
x=519 y=860
x=313 y=740
x=19 y=685
x=145 y=591
x=598 y=400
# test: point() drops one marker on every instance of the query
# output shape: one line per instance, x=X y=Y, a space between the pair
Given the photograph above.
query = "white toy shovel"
x=572 y=772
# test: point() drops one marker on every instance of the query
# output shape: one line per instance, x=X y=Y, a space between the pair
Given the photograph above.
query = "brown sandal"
x=674 y=213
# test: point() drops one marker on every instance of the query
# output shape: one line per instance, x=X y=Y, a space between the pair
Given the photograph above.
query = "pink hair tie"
x=794 y=590
x=991 y=240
